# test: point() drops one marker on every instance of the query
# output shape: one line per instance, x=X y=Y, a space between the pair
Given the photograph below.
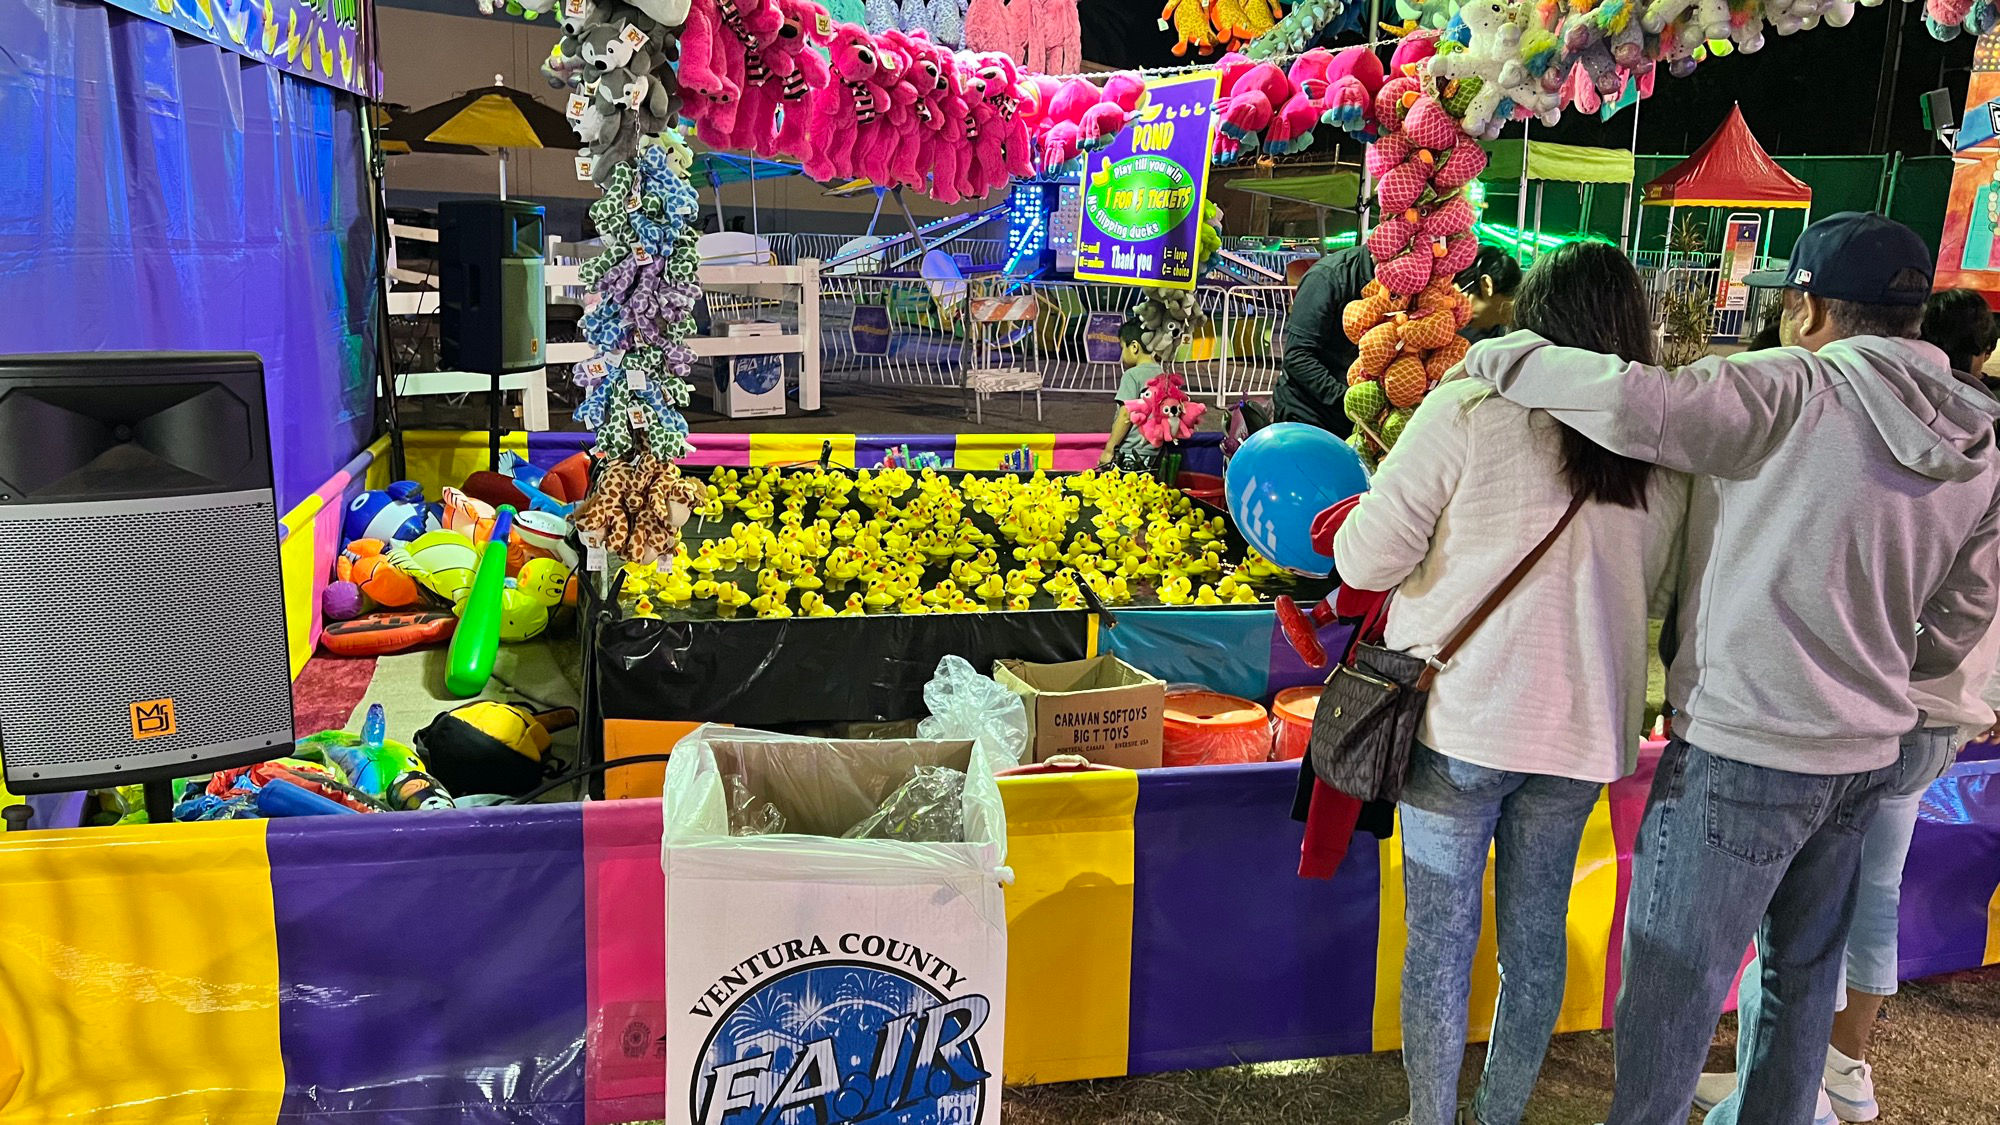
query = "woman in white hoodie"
x=1544 y=704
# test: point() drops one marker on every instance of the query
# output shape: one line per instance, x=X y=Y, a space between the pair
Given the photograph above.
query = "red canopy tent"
x=1730 y=169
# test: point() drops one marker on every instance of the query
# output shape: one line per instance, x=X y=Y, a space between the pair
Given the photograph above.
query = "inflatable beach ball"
x=1283 y=476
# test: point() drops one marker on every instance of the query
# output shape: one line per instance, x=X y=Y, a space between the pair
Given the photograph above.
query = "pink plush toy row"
x=1278 y=107
x=891 y=106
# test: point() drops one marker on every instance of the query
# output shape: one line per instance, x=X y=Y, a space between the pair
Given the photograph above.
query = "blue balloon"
x=1282 y=477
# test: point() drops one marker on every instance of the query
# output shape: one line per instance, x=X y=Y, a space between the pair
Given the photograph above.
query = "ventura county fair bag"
x=814 y=975
x=1368 y=716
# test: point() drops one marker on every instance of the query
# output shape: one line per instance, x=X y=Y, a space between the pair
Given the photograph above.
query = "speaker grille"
x=191 y=610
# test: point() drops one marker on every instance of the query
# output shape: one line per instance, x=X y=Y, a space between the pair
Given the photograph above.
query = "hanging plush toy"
x=1188 y=19
x=1164 y=413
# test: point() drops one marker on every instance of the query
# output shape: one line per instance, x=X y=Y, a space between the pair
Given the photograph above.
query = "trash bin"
x=836 y=930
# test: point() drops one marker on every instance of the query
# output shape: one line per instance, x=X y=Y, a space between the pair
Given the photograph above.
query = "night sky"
x=1814 y=92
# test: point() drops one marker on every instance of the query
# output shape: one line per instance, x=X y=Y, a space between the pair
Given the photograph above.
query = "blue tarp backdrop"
x=159 y=192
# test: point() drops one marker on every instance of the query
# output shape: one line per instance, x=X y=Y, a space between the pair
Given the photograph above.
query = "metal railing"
x=893 y=330
x=972 y=253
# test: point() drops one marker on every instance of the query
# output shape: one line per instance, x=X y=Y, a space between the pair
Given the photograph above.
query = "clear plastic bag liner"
x=749 y=814
x=926 y=809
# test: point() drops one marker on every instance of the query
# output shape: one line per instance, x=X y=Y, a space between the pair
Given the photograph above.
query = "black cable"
x=581 y=772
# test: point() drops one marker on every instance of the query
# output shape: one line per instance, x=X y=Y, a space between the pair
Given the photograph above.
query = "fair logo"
x=842 y=1043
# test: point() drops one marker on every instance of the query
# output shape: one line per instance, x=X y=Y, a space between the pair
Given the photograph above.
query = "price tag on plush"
x=584 y=166
x=577 y=104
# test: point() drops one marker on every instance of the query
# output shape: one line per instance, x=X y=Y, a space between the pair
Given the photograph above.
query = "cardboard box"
x=1102 y=708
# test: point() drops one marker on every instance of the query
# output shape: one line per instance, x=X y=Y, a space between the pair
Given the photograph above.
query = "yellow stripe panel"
x=984 y=451
x=299 y=570
x=1992 y=928
x=1593 y=893
x=436 y=458
x=378 y=473
x=1069 y=925
x=139 y=976
x=1090 y=639
x=799 y=449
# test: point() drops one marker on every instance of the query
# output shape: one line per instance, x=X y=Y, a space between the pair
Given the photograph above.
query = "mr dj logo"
x=844 y=1042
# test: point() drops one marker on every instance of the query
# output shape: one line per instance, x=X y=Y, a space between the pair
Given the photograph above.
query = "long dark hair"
x=1587 y=295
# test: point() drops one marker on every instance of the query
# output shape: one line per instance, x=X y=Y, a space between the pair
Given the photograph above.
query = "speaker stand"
x=159 y=802
x=493 y=422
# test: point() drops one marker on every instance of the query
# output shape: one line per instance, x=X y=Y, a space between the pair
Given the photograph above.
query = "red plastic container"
x=1294 y=709
x=1205 y=487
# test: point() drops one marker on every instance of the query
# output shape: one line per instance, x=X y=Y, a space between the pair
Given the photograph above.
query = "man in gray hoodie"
x=1843 y=531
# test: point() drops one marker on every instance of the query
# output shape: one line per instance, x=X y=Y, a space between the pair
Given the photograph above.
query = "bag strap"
x=1485 y=609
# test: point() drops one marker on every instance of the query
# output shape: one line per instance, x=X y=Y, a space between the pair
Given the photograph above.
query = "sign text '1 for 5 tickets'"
x=1143 y=194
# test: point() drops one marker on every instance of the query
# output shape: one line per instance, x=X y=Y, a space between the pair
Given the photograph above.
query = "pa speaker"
x=492 y=298
x=1939 y=116
x=142 y=618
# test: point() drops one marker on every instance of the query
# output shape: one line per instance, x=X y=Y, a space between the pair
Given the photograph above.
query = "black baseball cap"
x=1854 y=256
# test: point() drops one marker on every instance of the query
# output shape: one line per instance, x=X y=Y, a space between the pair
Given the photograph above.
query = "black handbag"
x=1368 y=715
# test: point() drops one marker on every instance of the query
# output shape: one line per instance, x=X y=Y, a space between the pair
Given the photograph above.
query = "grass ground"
x=1934 y=1058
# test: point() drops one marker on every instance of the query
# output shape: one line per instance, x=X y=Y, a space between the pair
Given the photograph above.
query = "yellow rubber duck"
x=757 y=508
x=944 y=593
x=771 y=605
x=1070 y=599
x=768 y=580
x=964 y=573
x=1257 y=568
x=728 y=599
x=1206 y=595
x=1121 y=590
x=854 y=606
x=843 y=566
x=912 y=603
x=1017 y=603
x=644 y=608
x=705 y=560
x=728 y=554
x=845 y=529
x=992 y=589
x=812 y=605
x=1019 y=585
x=878 y=596
x=1244 y=595
x=1175 y=589
x=806 y=578
x=676 y=589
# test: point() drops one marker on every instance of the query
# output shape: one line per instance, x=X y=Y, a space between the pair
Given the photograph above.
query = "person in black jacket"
x=1318 y=352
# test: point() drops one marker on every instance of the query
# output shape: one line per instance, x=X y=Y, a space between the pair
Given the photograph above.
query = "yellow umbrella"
x=495 y=116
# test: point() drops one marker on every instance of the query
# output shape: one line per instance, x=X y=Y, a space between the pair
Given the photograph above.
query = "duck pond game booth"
x=512 y=962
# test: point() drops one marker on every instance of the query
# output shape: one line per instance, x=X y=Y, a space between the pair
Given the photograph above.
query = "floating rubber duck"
x=812 y=605
x=992 y=589
x=1244 y=595
x=879 y=597
x=1175 y=589
x=728 y=599
x=644 y=608
x=768 y=580
x=964 y=573
x=944 y=593
x=676 y=589
x=854 y=607
x=1257 y=568
x=705 y=559
x=771 y=605
x=1070 y=599
x=1120 y=590
x=912 y=603
x=806 y=578
x=1018 y=603
x=843 y=566
x=1206 y=595
x=1019 y=585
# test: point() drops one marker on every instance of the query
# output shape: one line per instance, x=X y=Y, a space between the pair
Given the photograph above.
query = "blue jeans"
x=1728 y=851
x=1451 y=811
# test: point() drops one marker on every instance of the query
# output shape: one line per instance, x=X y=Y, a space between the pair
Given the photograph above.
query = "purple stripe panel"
x=547 y=448
x=1288 y=669
x=1234 y=957
x=869 y=448
x=432 y=966
x=1951 y=873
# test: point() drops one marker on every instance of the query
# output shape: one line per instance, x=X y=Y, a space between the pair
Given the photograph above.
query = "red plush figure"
x=1007 y=145
x=1291 y=126
x=852 y=103
x=1253 y=101
x=809 y=75
x=1353 y=77
x=1062 y=123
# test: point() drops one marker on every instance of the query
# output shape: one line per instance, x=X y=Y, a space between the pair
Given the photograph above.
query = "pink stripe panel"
x=326 y=539
x=1077 y=452
x=625 y=911
x=731 y=451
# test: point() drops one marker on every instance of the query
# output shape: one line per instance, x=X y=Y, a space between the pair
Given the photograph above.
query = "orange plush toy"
x=364 y=574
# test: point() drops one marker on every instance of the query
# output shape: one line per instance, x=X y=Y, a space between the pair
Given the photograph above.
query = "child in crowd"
x=1127 y=448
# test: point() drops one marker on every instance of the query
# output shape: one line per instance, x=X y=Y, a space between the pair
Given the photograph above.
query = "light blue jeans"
x=1871 y=941
x=1728 y=851
x=1451 y=811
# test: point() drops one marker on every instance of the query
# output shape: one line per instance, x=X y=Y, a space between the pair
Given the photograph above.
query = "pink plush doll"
x=1253 y=101
x=911 y=115
x=809 y=80
x=1165 y=413
x=940 y=113
x=750 y=124
x=1291 y=126
x=1061 y=131
x=1120 y=100
x=1353 y=77
x=879 y=147
x=1007 y=145
x=854 y=102
x=703 y=65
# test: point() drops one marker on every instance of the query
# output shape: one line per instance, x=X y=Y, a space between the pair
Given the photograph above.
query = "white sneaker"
x=1850 y=1087
x=1710 y=1089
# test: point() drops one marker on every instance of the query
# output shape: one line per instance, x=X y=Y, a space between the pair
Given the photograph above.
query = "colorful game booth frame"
x=507 y=963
